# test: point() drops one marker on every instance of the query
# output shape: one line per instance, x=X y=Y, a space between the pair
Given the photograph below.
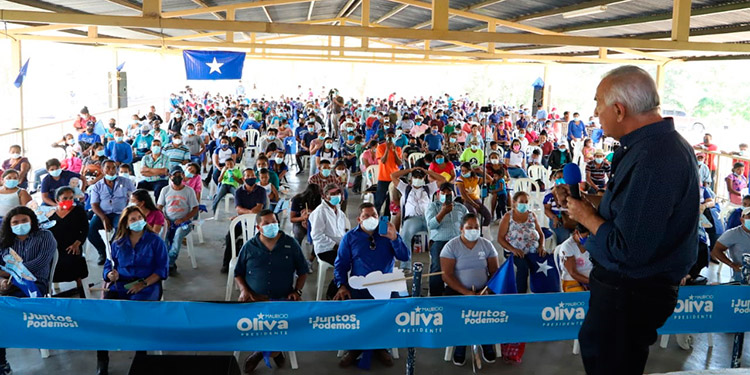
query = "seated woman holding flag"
x=467 y=262
x=137 y=265
x=26 y=250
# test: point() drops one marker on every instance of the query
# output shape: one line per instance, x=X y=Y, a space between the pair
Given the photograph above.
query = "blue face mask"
x=110 y=178
x=325 y=172
x=350 y=137
x=156 y=149
x=335 y=199
x=100 y=153
x=466 y=175
x=189 y=175
x=55 y=173
x=560 y=181
x=138 y=225
x=270 y=230
x=583 y=240
x=21 y=229
x=271 y=137
x=522 y=207
x=747 y=224
x=10 y=184
x=119 y=139
x=329 y=146
x=439 y=160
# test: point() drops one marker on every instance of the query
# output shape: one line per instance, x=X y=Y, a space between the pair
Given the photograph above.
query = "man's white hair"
x=633 y=87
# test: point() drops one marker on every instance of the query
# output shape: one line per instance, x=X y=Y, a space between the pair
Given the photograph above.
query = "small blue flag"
x=543 y=274
x=201 y=65
x=538 y=83
x=21 y=74
x=504 y=280
x=119 y=67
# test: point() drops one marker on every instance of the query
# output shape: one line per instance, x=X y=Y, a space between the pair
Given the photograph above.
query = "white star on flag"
x=215 y=66
x=543 y=267
x=260 y=316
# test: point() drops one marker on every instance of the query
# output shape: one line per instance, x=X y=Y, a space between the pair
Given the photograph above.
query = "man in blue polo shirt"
x=576 y=128
x=88 y=137
x=109 y=197
x=119 y=151
x=250 y=198
x=434 y=139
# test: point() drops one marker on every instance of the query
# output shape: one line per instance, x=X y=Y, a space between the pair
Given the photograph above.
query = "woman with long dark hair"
x=137 y=265
x=154 y=218
x=36 y=246
x=70 y=231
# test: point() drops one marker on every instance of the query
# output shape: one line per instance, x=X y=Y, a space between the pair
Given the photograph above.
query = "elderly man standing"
x=266 y=269
x=364 y=250
x=644 y=234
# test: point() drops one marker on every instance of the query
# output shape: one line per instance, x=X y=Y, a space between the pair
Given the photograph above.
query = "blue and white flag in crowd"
x=543 y=274
x=22 y=74
x=202 y=65
x=504 y=280
x=119 y=67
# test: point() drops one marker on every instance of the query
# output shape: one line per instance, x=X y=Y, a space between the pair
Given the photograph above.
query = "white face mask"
x=417 y=182
x=370 y=224
x=177 y=141
x=495 y=161
x=471 y=234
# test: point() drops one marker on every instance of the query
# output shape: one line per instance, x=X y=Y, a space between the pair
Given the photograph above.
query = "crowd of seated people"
x=434 y=165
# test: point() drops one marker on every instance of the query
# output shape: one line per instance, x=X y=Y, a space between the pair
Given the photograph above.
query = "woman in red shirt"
x=443 y=166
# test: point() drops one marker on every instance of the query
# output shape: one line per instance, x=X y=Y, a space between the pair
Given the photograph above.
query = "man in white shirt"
x=328 y=224
x=415 y=198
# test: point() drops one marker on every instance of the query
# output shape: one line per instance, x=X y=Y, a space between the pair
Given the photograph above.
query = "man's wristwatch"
x=299 y=292
x=144 y=282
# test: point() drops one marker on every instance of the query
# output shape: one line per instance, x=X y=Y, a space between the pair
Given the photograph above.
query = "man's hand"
x=446 y=208
x=113 y=275
x=5 y=284
x=293 y=296
x=342 y=294
x=107 y=224
x=137 y=288
x=736 y=267
x=391 y=234
x=580 y=210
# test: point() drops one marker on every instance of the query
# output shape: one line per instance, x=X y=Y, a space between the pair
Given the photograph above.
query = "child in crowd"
x=576 y=264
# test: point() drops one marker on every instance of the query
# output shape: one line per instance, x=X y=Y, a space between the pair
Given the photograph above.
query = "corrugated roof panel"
x=409 y=17
x=288 y=12
x=326 y=8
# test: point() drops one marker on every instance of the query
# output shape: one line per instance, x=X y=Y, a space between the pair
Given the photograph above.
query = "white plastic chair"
x=560 y=266
x=106 y=237
x=524 y=184
x=538 y=172
x=305 y=162
x=247 y=223
x=414 y=157
x=370 y=178
x=323 y=268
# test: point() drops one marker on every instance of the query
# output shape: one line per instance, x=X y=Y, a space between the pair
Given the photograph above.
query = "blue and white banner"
x=332 y=325
x=213 y=64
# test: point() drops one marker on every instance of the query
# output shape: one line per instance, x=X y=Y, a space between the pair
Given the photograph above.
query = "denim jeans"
x=409 y=228
x=220 y=193
x=522 y=274
x=437 y=286
x=95 y=225
x=175 y=235
x=517 y=173
x=38 y=177
x=154 y=186
x=380 y=196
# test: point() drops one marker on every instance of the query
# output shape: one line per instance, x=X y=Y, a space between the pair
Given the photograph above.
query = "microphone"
x=572 y=177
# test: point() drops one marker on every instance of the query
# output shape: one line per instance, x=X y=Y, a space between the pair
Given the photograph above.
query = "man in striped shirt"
x=597 y=172
x=176 y=152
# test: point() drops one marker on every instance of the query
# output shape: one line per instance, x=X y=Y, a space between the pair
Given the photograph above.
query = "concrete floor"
x=206 y=283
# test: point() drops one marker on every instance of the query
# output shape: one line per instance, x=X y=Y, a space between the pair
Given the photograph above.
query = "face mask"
x=234 y=134
x=325 y=172
x=177 y=181
x=439 y=160
x=137 y=226
x=466 y=175
x=110 y=178
x=418 y=123
x=10 y=184
x=71 y=141
x=156 y=149
x=454 y=140
x=119 y=139
x=563 y=149
x=582 y=240
x=15 y=156
x=560 y=181
x=599 y=160
x=65 y=205
x=191 y=132
x=311 y=129
x=329 y=146
x=189 y=175
x=471 y=235
x=251 y=181
x=321 y=137
x=225 y=145
x=370 y=224
x=434 y=131
x=177 y=115
x=522 y=207
x=21 y=229
x=177 y=141
x=747 y=224
x=55 y=173
x=443 y=197
x=399 y=132
x=417 y=182
x=100 y=153
x=349 y=128
x=270 y=137
x=340 y=172
x=474 y=147
x=335 y=200
x=495 y=161
x=270 y=230
x=279 y=160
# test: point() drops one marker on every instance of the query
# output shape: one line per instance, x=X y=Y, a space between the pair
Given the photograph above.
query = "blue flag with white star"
x=543 y=275
x=504 y=279
x=21 y=74
x=212 y=65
